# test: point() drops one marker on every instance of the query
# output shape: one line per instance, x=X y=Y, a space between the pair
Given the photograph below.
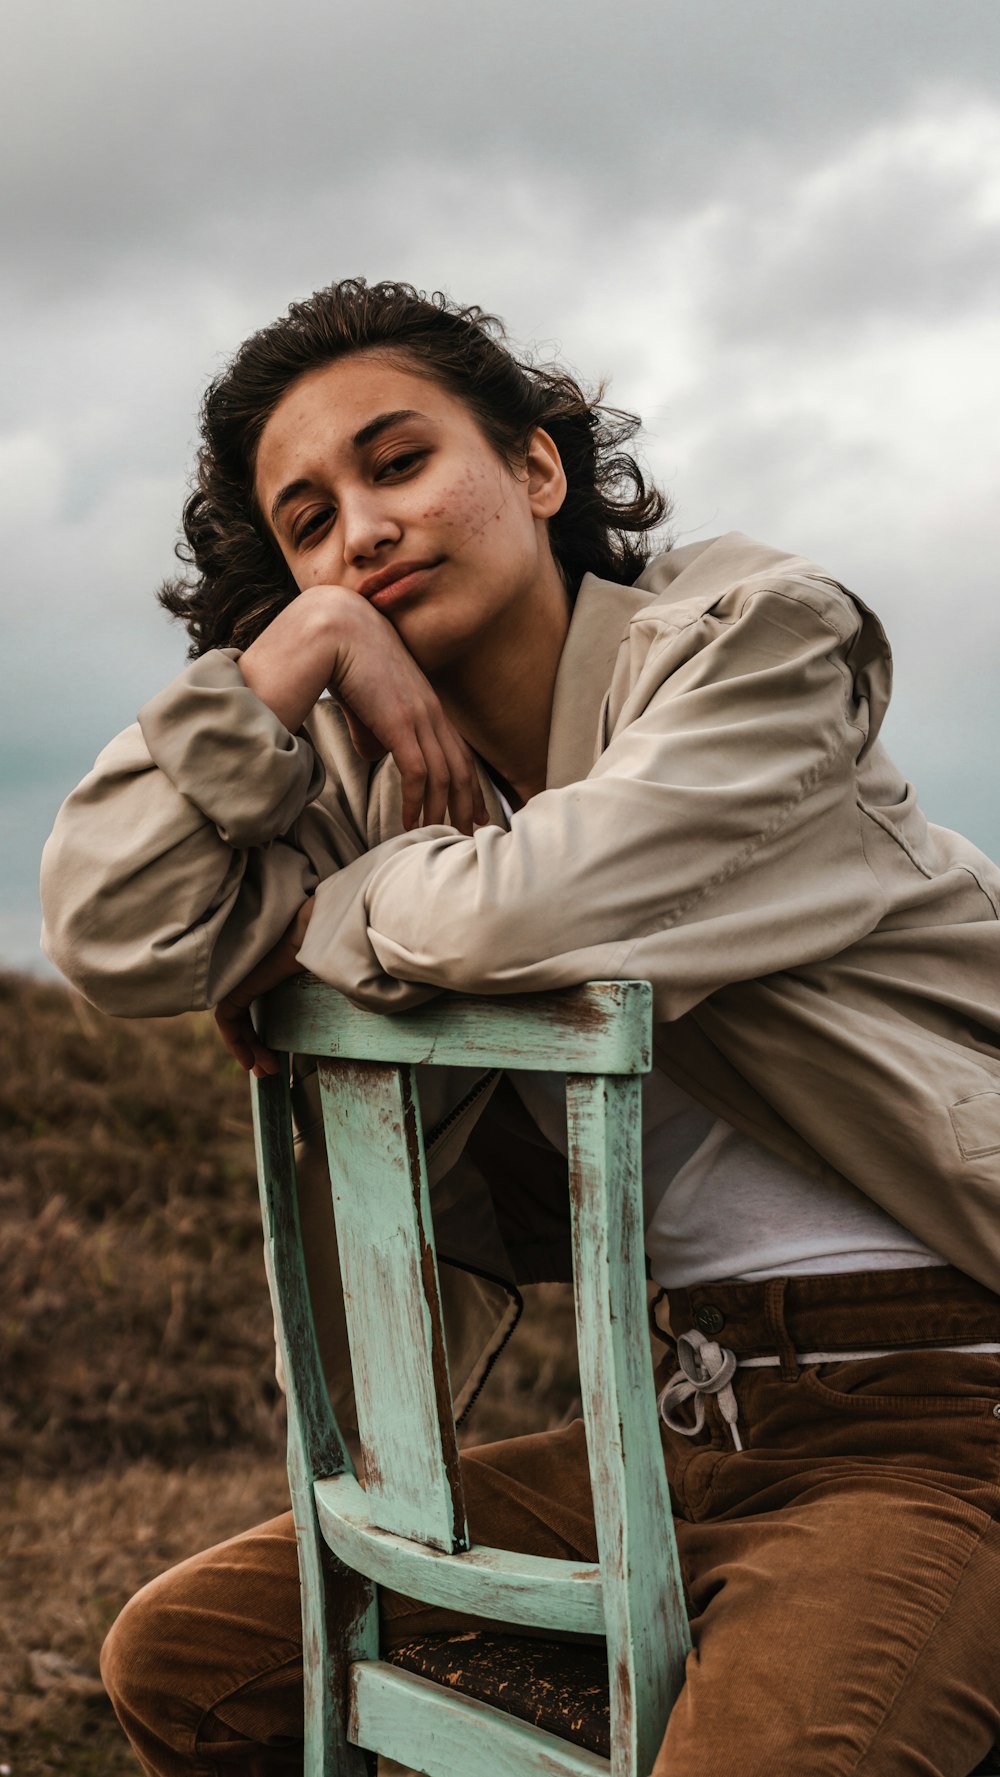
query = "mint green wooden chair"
x=406 y=1528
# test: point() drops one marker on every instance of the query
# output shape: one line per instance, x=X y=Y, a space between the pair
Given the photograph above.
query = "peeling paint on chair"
x=406 y=1528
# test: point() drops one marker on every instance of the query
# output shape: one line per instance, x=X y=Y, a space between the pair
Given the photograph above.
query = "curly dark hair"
x=240 y=580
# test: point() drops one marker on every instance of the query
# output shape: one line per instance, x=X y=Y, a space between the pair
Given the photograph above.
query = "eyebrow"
x=364 y=436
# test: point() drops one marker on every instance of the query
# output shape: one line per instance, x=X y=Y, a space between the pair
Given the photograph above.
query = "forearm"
x=329 y=637
x=167 y=877
x=147 y=910
x=226 y=752
x=716 y=839
x=531 y=911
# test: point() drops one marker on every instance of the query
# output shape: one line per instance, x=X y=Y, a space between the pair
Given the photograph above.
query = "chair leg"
x=339 y=1625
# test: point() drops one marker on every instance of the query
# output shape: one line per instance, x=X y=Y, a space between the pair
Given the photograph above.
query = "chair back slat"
x=605 y=1027
x=644 y=1612
x=405 y=1414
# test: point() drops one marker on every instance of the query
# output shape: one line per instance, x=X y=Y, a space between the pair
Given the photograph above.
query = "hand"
x=232 y=1015
x=332 y=637
x=391 y=707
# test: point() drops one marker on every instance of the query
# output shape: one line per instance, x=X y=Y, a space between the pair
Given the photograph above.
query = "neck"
x=500 y=698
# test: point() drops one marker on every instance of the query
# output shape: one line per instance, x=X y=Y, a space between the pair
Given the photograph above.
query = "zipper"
x=431 y=1137
x=516 y=1300
x=448 y=1121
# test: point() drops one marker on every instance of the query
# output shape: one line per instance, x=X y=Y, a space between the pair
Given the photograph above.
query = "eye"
x=311 y=525
x=401 y=464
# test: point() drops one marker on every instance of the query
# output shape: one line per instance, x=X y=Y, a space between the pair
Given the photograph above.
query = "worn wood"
x=406 y=1419
x=305 y=1384
x=605 y=1026
x=339 y=1617
x=561 y=1686
x=402 y=1530
x=645 y=1617
x=519 y=1589
x=433 y=1730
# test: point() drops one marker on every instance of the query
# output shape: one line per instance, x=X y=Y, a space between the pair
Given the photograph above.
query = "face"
x=374 y=478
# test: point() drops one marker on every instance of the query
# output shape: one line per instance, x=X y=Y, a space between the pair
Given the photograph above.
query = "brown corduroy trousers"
x=842 y=1569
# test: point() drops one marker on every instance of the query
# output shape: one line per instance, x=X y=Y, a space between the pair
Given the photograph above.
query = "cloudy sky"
x=774 y=224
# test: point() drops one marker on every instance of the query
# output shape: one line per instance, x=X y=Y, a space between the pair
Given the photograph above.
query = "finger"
x=266 y=1065
x=437 y=784
x=265 y=1062
x=466 y=802
x=482 y=813
x=463 y=782
x=366 y=744
x=234 y=1037
x=237 y=1032
x=412 y=768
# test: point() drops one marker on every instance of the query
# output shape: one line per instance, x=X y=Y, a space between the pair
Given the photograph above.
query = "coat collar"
x=694 y=575
x=601 y=617
x=600 y=620
x=701 y=571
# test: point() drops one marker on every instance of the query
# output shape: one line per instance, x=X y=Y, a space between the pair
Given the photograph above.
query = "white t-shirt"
x=719 y=1205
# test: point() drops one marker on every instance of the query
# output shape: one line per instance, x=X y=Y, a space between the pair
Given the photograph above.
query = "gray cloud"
x=905 y=220
x=160 y=122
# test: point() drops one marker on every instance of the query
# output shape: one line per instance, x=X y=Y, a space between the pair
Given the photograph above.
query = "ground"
x=139 y=1418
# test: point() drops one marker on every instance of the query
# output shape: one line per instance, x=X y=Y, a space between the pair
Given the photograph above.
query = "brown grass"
x=140 y=1420
x=72 y=1550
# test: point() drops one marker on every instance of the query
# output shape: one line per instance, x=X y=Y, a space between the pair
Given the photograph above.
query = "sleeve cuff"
x=224 y=750
x=337 y=947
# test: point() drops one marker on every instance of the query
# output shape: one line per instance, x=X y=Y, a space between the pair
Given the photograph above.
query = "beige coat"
x=719 y=819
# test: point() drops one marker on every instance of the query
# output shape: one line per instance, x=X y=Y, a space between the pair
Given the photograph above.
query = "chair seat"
x=557 y=1685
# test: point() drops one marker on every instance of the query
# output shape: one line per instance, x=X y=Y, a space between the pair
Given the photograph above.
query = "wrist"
x=325 y=610
x=296 y=656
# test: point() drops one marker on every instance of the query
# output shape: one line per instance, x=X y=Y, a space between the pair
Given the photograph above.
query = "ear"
x=546 y=476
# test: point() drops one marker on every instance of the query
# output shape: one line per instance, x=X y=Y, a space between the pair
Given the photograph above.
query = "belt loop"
x=774 y=1318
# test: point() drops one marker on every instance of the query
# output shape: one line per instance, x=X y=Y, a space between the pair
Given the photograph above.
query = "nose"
x=369 y=527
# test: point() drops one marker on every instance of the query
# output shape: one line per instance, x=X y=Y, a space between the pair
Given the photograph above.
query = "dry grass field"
x=139 y=1419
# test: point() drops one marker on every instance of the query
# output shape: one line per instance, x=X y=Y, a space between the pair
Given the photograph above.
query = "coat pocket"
x=976 y=1122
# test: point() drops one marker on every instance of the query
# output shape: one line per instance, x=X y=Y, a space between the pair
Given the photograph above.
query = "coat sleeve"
x=716 y=839
x=179 y=860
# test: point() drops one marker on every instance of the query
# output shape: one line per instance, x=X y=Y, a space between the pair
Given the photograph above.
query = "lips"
x=397 y=570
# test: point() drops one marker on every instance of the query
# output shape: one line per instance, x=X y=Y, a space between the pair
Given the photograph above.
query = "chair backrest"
x=412 y=1506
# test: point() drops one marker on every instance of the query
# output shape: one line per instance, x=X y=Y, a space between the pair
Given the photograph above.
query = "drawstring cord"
x=705 y=1368
x=708 y=1368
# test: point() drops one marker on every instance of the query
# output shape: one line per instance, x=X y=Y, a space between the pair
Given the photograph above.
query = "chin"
x=434 y=647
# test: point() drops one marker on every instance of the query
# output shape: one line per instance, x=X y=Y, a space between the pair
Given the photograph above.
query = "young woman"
x=546 y=759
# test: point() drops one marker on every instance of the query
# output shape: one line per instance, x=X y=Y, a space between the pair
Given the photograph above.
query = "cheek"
x=310 y=574
x=471 y=506
x=323 y=566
